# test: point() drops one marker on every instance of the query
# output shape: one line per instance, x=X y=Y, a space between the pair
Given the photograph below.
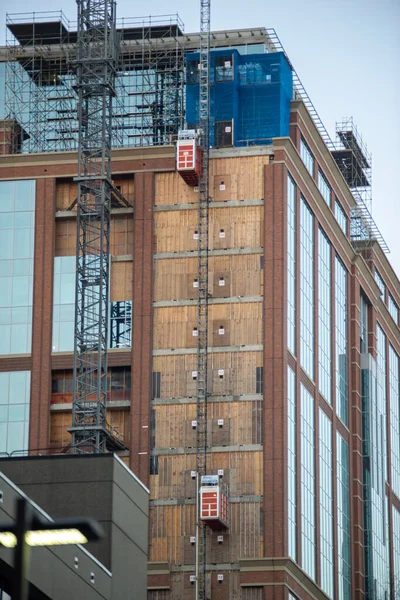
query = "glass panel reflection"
x=17 y=206
x=307 y=289
x=307 y=448
x=120 y=313
x=14 y=413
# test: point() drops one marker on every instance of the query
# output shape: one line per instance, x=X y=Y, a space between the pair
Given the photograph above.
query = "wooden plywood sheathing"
x=176 y=373
x=174 y=277
x=237 y=324
x=241 y=425
x=172 y=526
x=233 y=227
x=121 y=281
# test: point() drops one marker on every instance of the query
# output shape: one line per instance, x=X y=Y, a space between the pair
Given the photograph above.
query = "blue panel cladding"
x=265 y=93
x=257 y=97
x=224 y=95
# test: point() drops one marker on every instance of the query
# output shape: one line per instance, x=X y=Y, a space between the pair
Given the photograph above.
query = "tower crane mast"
x=96 y=65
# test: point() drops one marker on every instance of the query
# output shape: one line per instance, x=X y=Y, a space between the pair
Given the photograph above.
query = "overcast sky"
x=346 y=53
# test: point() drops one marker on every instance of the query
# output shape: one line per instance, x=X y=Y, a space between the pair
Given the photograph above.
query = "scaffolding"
x=354 y=162
x=41 y=95
x=152 y=76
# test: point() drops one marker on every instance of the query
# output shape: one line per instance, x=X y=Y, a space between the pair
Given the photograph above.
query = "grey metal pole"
x=22 y=550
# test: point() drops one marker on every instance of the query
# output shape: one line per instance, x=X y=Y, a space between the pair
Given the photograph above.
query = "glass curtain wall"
x=291 y=265
x=381 y=284
x=376 y=543
x=393 y=309
x=324 y=317
x=17 y=219
x=307 y=157
x=340 y=216
x=307 y=328
x=292 y=469
x=341 y=313
x=396 y=552
x=394 y=419
x=324 y=187
x=15 y=389
x=307 y=448
x=326 y=503
x=343 y=518
x=120 y=329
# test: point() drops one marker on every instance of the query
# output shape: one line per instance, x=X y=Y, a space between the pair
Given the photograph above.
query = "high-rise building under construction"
x=303 y=396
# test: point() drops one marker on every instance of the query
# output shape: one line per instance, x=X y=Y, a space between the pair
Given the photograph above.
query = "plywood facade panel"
x=174 y=277
x=172 y=526
x=178 y=372
x=59 y=436
x=61 y=421
x=121 y=281
x=241 y=424
x=230 y=179
x=242 y=472
x=65 y=237
x=67 y=191
x=233 y=227
x=175 y=230
x=238 y=227
x=229 y=324
x=241 y=177
x=121 y=236
x=171 y=189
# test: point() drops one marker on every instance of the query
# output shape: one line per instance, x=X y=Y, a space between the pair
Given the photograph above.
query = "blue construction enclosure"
x=249 y=97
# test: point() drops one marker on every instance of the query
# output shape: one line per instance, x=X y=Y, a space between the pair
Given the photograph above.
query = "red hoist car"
x=188 y=157
x=214 y=502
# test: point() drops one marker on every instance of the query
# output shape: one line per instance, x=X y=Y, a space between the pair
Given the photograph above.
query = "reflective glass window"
x=341 y=350
x=343 y=519
x=120 y=313
x=121 y=324
x=307 y=289
x=381 y=393
x=2 y=89
x=341 y=217
x=17 y=206
x=326 y=504
x=292 y=470
x=291 y=266
x=307 y=448
x=324 y=187
x=307 y=157
x=396 y=552
x=393 y=309
x=394 y=392
x=381 y=284
x=14 y=412
x=363 y=325
x=324 y=316
x=376 y=542
x=64 y=303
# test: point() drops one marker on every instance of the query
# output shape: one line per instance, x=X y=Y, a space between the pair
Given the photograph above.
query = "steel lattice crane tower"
x=97 y=54
x=202 y=325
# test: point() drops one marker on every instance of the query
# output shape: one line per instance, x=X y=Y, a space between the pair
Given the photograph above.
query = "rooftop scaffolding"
x=41 y=79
